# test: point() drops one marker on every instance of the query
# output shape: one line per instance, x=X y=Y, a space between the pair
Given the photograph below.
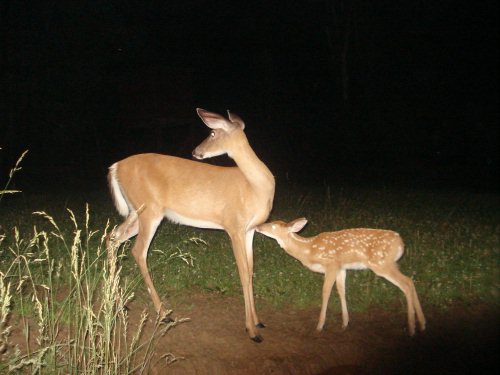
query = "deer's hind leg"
x=341 y=291
x=392 y=274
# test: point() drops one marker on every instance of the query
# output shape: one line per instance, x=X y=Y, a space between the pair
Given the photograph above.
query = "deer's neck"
x=297 y=246
x=255 y=171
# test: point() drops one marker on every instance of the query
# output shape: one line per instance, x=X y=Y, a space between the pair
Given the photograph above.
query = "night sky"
x=331 y=91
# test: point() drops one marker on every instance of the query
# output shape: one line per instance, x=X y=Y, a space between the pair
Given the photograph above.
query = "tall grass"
x=17 y=167
x=70 y=303
x=68 y=300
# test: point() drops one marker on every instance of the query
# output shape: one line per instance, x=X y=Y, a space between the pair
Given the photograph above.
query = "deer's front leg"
x=249 y=253
x=330 y=276
x=240 y=254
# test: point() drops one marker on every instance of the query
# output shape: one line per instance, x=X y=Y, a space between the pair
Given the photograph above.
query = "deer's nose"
x=196 y=154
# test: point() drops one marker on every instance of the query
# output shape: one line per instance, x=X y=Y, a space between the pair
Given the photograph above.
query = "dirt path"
x=214 y=341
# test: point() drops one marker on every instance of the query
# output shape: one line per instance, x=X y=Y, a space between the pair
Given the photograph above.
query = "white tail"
x=332 y=253
x=235 y=199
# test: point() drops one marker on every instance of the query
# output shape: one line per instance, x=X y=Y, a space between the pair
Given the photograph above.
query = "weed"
x=73 y=316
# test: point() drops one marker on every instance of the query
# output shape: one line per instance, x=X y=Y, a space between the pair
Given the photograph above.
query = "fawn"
x=332 y=253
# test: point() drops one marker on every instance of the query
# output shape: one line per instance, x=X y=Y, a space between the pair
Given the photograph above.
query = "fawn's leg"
x=330 y=275
x=341 y=290
x=392 y=274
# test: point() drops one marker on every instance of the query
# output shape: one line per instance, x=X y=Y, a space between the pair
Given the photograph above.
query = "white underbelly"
x=354 y=266
x=180 y=219
x=316 y=267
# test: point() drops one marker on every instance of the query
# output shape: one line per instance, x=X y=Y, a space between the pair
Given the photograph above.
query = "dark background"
x=362 y=92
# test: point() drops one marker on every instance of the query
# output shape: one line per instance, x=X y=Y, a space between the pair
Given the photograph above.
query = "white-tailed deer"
x=235 y=199
x=332 y=253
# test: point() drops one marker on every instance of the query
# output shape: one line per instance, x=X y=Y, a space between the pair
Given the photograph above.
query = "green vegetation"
x=66 y=298
x=69 y=300
x=49 y=284
x=452 y=249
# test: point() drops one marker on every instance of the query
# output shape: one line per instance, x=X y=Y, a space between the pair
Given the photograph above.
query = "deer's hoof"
x=260 y=325
x=167 y=320
x=258 y=339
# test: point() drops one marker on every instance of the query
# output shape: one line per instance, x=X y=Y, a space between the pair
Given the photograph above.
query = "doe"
x=235 y=199
x=332 y=253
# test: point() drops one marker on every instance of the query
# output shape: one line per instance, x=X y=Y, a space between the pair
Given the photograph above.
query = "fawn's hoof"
x=258 y=339
x=260 y=325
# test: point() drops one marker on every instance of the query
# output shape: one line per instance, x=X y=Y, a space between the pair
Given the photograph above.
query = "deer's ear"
x=214 y=120
x=297 y=225
x=235 y=119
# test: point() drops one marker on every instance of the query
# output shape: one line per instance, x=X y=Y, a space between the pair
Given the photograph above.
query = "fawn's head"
x=279 y=230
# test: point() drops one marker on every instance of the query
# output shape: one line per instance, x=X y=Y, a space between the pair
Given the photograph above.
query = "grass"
x=452 y=249
x=452 y=253
x=63 y=289
x=69 y=300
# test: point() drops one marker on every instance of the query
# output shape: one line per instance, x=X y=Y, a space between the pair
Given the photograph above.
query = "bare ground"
x=458 y=341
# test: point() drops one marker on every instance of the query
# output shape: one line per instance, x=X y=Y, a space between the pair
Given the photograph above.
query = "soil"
x=460 y=340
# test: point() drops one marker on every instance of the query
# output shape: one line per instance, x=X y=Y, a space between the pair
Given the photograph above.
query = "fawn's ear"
x=297 y=225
